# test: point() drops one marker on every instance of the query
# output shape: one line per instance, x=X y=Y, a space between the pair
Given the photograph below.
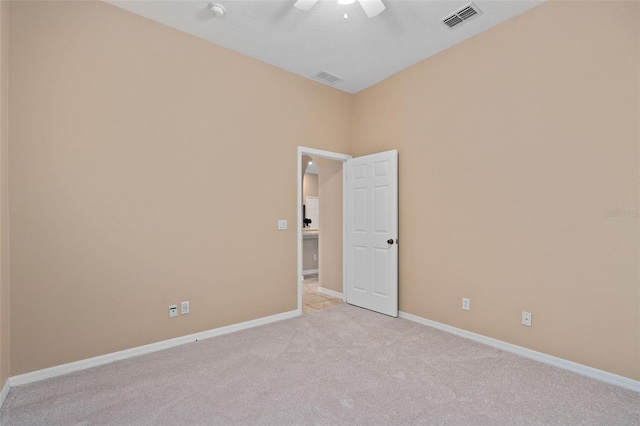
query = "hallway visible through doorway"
x=311 y=299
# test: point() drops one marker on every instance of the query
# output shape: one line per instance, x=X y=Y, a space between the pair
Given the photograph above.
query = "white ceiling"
x=360 y=50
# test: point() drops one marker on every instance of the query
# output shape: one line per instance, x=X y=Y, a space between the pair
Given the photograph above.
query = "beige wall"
x=126 y=163
x=130 y=143
x=4 y=205
x=330 y=243
x=309 y=186
x=512 y=147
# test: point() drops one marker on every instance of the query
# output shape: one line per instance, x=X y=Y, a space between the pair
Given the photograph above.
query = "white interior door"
x=372 y=232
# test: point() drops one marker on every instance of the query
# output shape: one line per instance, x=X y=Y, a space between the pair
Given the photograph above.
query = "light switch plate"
x=282 y=224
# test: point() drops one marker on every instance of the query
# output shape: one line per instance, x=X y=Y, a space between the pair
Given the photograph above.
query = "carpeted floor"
x=341 y=365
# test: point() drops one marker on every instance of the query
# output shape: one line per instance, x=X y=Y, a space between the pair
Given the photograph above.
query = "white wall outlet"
x=173 y=311
x=466 y=304
x=282 y=224
x=526 y=318
x=184 y=308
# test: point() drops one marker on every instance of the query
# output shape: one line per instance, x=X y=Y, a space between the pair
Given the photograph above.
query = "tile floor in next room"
x=312 y=300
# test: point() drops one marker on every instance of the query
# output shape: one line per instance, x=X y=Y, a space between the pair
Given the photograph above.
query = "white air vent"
x=327 y=77
x=459 y=16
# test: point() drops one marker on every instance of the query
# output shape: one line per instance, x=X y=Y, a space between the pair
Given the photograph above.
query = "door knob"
x=389 y=241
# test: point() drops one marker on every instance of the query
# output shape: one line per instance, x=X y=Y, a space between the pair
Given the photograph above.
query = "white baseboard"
x=141 y=350
x=584 y=370
x=4 y=392
x=330 y=292
x=309 y=272
x=59 y=370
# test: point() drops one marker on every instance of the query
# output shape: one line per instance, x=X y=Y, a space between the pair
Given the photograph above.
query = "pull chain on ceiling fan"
x=371 y=7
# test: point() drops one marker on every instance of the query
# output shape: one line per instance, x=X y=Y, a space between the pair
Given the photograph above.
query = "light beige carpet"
x=341 y=365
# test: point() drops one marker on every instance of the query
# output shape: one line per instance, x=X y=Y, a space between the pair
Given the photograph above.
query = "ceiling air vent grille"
x=452 y=21
x=327 y=77
x=467 y=12
x=461 y=15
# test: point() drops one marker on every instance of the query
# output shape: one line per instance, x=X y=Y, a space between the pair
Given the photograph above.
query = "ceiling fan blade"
x=371 y=7
x=305 y=4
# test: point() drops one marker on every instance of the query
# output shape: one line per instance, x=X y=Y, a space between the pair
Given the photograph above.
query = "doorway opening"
x=322 y=180
x=320 y=280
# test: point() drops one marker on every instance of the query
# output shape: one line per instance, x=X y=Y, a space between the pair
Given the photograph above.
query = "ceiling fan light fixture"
x=371 y=7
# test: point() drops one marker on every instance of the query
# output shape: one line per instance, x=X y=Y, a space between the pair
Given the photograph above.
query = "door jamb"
x=318 y=153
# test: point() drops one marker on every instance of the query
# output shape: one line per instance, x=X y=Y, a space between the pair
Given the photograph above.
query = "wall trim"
x=309 y=272
x=71 y=367
x=594 y=373
x=330 y=292
x=4 y=392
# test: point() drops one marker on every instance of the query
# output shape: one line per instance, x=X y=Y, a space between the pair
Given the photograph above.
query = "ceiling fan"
x=371 y=7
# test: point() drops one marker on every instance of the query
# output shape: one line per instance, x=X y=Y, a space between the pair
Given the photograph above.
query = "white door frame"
x=312 y=152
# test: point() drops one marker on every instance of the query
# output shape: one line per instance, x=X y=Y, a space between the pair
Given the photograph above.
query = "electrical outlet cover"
x=466 y=304
x=185 y=308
